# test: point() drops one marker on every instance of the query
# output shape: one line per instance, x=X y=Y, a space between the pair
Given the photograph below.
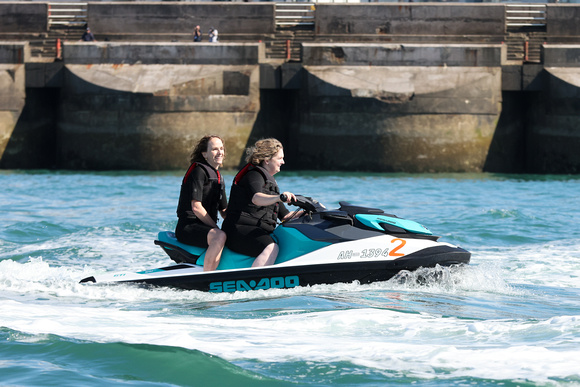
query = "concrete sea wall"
x=417 y=108
x=384 y=87
x=23 y=18
x=149 y=112
x=554 y=126
x=141 y=20
x=428 y=116
x=412 y=19
x=12 y=88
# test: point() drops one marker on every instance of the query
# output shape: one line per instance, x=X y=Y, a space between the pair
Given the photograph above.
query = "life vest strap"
x=191 y=168
x=205 y=168
x=242 y=173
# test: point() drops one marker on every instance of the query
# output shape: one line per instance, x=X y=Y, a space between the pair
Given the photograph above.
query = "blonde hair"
x=196 y=155
x=263 y=149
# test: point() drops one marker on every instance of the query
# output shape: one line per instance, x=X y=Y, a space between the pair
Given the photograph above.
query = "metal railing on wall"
x=67 y=14
x=525 y=15
x=295 y=14
x=526 y=30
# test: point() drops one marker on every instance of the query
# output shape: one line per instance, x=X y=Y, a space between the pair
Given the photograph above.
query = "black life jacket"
x=243 y=211
x=212 y=193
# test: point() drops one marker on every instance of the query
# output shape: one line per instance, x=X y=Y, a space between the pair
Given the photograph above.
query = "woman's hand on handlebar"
x=287 y=197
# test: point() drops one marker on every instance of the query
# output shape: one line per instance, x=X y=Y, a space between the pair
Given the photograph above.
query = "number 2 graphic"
x=393 y=252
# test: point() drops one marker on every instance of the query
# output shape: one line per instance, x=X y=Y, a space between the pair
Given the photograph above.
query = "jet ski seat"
x=177 y=251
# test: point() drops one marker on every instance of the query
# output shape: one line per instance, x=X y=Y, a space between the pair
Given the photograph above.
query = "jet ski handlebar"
x=308 y=204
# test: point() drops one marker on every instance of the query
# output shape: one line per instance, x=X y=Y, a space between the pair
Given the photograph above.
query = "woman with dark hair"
x=202 y=196
x=256 y=204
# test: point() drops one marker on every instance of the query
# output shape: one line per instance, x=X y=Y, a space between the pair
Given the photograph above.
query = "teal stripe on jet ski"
x=293 y=244
x=150 y=271
x=230 y=260
x=375 y=221
x=291 y=241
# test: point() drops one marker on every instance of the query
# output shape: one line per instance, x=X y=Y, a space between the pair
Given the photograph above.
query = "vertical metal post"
x=58 y=49
x=288 y=49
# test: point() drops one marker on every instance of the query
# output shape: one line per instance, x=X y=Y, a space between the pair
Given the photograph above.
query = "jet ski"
x=320 y=246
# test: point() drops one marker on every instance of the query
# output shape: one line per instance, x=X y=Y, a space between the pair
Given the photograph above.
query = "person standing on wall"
x=88 y=36
x=197 y=34
x=202 y=196
x=213 y=35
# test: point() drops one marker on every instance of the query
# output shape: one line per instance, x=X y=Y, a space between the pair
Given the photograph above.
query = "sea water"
x=510 y=318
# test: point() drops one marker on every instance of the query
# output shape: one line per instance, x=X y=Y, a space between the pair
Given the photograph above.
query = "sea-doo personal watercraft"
x=321 y=246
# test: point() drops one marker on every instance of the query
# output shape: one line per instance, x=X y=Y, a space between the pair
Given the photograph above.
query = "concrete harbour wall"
x=147 y=114
x=417 y=108
x=176 y=20
x=563 y=21
x=432 y=19
x=23 y=18
x=385 y=87
x=12 y=88
x=554 y=130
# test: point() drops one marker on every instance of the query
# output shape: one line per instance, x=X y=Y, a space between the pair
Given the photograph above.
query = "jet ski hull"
x=192 y=277
x=321 y=247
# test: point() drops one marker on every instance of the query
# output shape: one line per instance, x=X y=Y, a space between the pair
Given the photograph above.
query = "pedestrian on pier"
x=197 y=34
x=213 y=35
x=88 y=36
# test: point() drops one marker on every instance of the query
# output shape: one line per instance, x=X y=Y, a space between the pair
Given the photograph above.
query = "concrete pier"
x=554 y=126
x=435 y=108
x=381 y=87
x=13 y=55
x=147 y=112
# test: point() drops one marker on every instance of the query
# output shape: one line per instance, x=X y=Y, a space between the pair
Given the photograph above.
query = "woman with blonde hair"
x=256 y=203
x=202 y=196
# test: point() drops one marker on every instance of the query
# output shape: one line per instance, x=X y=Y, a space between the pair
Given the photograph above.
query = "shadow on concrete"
x=279 y=118
x=507 y=151
x=33 y=142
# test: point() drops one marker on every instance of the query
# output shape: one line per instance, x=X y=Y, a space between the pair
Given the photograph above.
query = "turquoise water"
x=511 y=318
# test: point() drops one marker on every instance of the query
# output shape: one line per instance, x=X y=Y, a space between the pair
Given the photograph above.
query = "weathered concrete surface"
x=563 y=20
x=12 y=97
x=44 y=75
x=413 y=106
x=12 y=89
x=554 y=132
x=356 y=54
x=33 y=142
x=410 y=19
x=158 y=18
x=561 y=55
x=14 y=52
x=408 y=111
x=414 y=119
x=23 y=17
x=149 y=116
x=163 y=53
